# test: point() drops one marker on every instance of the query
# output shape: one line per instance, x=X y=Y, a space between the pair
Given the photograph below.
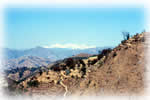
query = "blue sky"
x=31 y=27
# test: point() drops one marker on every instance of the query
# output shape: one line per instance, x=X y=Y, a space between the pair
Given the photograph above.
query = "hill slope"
x=117 y=71
x=26 y=61
x=50 y=53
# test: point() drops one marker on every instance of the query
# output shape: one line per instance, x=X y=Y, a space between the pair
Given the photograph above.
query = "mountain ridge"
x=51 y=53
x=113 y=71
x=26 y=61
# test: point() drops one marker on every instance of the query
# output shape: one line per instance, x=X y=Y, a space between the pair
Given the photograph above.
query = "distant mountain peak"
x=51 y=53
x=38 y=47
x=71 y=46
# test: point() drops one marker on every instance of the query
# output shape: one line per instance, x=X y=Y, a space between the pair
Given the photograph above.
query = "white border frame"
x=77 y=4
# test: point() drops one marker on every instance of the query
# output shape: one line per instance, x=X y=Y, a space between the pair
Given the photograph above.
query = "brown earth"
x=83 y=55
x=119 y=71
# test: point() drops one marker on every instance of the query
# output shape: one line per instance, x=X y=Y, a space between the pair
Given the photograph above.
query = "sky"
x=70 y=27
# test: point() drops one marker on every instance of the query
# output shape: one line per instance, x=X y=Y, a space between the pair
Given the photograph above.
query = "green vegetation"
x=33 y=83
x=105 y=52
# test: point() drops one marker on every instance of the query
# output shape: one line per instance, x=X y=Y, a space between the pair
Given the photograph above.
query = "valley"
x=118 y=70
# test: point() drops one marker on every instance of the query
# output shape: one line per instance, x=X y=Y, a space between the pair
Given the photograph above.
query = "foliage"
x=105 y=52
x=100 y=63
x=69 y=62
x=114 y=54
x=33 y=83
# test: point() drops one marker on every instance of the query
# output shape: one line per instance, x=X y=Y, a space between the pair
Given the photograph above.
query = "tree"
x=33 y=83
x=104 y=52
x=126 y=35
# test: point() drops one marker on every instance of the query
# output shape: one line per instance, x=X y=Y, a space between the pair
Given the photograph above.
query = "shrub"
x=100 y=63
x=40 y=71
x=33 y=83
x=83 y=69
x=100 y=56
x=105 y=52
x=142 y=39
x=93 y=61
x=70 y=62
x=67 y=71
x=123 y=41
x=115 y=54
x=82 y=62
x=56 y=67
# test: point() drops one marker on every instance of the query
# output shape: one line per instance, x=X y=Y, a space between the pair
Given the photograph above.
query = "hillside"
x=113 y=71
x=26 y=61
x=50 y=53
x=83 y=55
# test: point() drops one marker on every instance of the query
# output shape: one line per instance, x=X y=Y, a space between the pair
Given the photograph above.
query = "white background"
x=76 y=4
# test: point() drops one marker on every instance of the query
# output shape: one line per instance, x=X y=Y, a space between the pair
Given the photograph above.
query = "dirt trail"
x=65 y=88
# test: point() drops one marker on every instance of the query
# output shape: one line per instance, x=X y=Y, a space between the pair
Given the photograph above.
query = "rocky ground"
x=117 y=71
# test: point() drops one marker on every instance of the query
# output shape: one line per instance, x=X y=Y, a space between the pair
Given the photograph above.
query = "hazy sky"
x=31 y=27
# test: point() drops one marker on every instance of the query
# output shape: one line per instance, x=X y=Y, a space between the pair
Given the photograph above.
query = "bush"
x=115 y=54
x=143 y=39
x=105 y=52
x=100 y=63
x=83 y=69
x=93 y=61
x=70 y=63
x=100 y=56
x=82 y=62
x=33 y=83
x=123 y=41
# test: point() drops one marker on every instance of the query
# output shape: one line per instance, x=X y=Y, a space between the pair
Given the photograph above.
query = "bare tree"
x=126 y=35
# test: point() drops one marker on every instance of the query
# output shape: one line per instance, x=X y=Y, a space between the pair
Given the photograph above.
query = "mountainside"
x=26 y=61
x=82 y=55
x=113 y=71
x=22 y=67
x=51 y=53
